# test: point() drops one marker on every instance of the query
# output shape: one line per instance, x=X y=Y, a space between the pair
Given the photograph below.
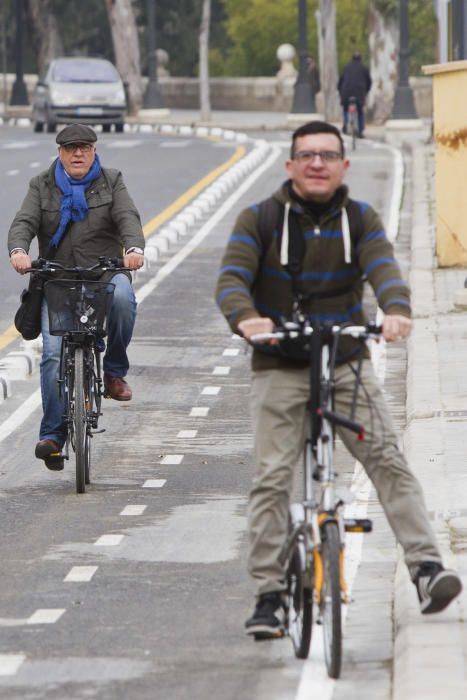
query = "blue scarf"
x=73 y=205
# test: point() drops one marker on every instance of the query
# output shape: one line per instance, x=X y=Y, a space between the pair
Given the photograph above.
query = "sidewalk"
x=430 y=651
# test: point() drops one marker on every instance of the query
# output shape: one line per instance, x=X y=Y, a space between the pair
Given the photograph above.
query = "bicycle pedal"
x=264 y=636
x=358 y=525
x=97 y=432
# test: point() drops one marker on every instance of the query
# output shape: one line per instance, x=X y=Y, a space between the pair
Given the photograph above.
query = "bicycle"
x=78 y=311
x=313 y=554
x=353 y=121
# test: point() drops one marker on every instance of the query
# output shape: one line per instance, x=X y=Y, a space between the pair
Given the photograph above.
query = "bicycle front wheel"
x=300 y=602
x=330 y=603
x=79 y=421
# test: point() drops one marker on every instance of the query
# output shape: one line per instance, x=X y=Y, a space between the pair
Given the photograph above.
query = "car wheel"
x=38 y=127
x=119 y=127
x=106 y=128
x=51 y=127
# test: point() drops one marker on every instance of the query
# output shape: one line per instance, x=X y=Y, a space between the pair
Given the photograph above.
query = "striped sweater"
x=253 y=282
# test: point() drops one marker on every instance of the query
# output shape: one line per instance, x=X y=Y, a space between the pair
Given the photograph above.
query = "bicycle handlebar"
x=103 y=264
x=294 y=330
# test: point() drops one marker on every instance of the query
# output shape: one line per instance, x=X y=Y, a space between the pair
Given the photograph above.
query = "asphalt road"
x=159 y=610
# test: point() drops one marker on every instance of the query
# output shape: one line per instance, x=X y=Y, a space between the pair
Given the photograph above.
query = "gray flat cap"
x=76 y=133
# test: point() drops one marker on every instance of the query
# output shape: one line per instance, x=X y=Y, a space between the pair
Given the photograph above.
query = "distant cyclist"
x=310 y=247
x=355 y=81
x=81 y=211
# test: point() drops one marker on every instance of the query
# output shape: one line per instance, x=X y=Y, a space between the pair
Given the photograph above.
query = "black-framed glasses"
x=73 y=147
x=325 y=156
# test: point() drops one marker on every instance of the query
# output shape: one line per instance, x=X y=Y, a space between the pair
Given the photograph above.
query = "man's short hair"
x=316 y=127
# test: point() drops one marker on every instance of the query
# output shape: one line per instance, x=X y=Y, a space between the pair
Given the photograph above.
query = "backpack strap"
x=270 y=219
x=355 y=217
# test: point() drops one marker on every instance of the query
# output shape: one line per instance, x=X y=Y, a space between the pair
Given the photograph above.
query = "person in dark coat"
x=355 y=81
x=83 y=211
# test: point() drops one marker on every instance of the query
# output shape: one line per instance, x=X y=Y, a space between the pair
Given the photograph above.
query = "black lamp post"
x=152 y=96
x=19 y=95
x=404 y=106
x=303 y=98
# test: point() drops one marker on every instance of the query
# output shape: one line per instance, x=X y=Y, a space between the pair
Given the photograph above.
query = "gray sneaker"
x=436 y=587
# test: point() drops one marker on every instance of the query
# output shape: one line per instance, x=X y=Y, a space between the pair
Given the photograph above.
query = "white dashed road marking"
x=154 y=483
x=80 y=573
x=35 y=164
x=108 y=541
x=10 y=663
x=199 y=412
x=221 y=370
x=211 y=390
x=187 y=433
x=12 y=172
x=45 y=616
x=133 y=510
x=231 y=352
x=172 y=459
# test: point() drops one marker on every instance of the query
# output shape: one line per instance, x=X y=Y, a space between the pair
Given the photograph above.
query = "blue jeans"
x=121 y=323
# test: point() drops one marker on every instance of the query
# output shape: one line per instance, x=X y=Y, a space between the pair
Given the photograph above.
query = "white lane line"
x=154 y=483
x=20 y=415
x=199 y=412
x=80 y=573
x=231 y=352
x=10 y=663
x=133 y=510
x=192 y=244
x=173 y=144
x=187 y=433
x=211 y=390
x=221 y=370
x=12 y=172
x=172 y=459
x=108 y=540
x=35 y=164
x=45 y=616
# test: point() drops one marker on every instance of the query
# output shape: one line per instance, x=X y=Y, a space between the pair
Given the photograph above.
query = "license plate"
x=90 y=111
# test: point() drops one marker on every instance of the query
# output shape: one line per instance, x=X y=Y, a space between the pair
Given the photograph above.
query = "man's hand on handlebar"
x=133 y=261
x=21 y=262
x=253 y=326
x=396 y=327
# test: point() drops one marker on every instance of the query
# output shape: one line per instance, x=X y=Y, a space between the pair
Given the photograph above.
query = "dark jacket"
x=355 y=81
x=252 y=281
x=112 y=224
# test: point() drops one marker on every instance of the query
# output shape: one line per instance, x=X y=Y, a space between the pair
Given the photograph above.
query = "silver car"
x=84 y=90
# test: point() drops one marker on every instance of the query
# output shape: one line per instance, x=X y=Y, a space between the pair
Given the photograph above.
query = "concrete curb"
x=428 y=651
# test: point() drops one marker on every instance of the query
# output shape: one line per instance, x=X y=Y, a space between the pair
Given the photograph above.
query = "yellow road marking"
x=182 y=201
x=12 y=334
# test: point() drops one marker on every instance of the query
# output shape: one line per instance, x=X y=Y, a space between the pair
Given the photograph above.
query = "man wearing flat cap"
x=80 y=211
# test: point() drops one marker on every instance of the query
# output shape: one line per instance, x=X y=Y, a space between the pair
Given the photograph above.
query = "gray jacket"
x=111 y=226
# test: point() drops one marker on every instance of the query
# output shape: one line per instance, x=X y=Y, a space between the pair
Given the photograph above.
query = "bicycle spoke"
x=80 y=420
x=330 y=603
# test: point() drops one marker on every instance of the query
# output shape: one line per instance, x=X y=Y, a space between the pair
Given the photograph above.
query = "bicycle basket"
x=78 y=306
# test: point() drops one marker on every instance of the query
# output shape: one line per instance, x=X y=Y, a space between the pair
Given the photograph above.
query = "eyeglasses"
x=326 y=156
x=73 y=147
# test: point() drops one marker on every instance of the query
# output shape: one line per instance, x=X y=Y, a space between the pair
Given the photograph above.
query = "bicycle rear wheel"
x=300 y=602
x=330 y=603
x=79 y=420
x=353 y=129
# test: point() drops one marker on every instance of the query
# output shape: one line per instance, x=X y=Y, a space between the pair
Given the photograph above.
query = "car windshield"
x=84 y=72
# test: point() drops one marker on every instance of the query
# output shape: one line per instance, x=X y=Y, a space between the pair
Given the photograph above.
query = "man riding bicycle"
x=317 y=248
x=354 y=82
x=79 y=211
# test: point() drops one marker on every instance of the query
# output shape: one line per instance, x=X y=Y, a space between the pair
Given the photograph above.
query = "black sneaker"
x=436 y=587
x=267 y=621
x=51 y=452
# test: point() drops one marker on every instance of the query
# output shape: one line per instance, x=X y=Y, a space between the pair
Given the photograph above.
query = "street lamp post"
x=152 y=96
x=19 y=95
x=303 y=98
x=404 y=106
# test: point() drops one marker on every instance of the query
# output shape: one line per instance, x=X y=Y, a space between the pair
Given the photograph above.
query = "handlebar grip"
x=345 y=422
x=373 y=328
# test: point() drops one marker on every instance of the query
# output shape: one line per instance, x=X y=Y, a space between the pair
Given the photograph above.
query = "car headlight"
x=60 y=99
x=118 y=98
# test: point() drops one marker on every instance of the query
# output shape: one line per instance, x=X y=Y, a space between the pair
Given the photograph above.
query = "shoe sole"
x=445 y=588
x=116 y=398
x=52 y=460
x=262 y=632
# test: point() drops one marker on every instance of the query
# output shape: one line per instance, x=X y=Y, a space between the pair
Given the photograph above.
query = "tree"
x=45 y=34
x=126 y=48
x=204 y=60
x=328 y=60
x=383 y=39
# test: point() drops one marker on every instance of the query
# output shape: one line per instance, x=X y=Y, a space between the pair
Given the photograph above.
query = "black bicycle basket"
x=78 y=306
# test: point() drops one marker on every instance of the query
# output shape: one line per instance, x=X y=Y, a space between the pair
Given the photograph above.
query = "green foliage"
x=352 y=30
x=84 y=28
x=423 y=28
x=257 y=27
